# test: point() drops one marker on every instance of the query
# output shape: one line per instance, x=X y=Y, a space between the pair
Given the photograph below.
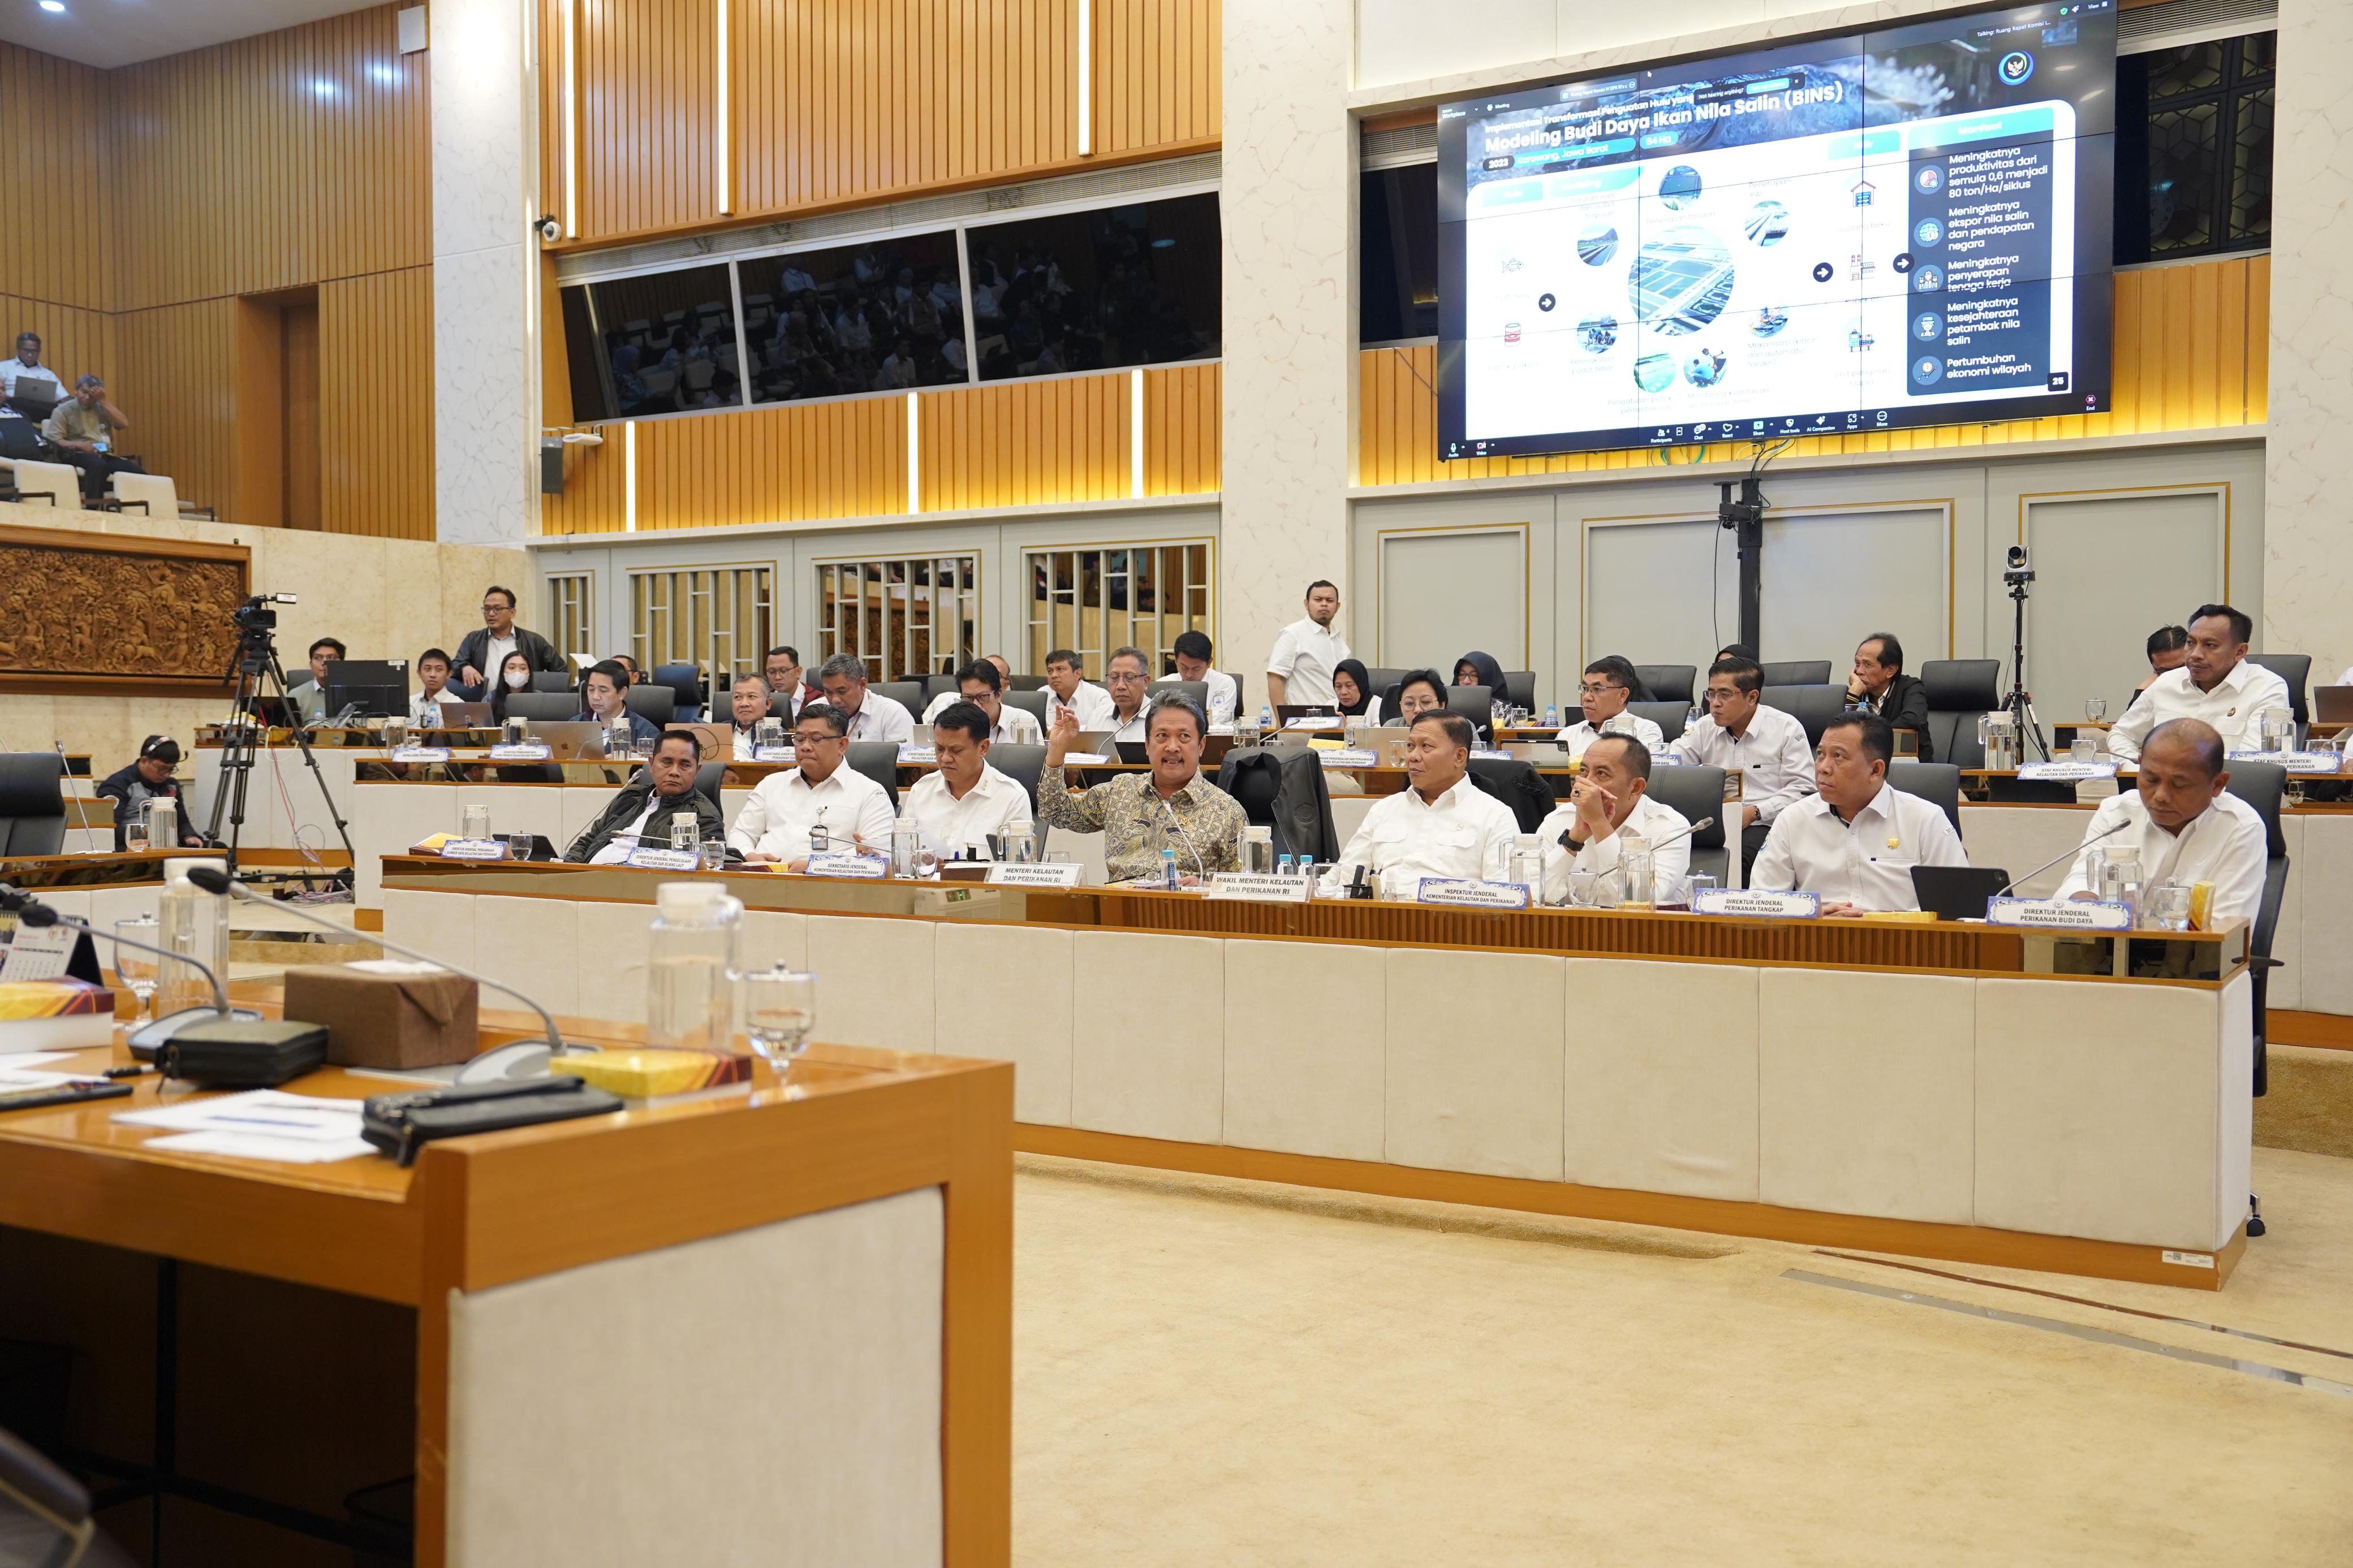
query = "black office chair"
x=1958 y=690
x=1383 y=677
x=706 y=784
x=1282 y=789
x=685 y=683
x=1022 y=764
x=1031 y=701
x=1937 y=781
x=933 y=685
x=2262 y=787
x=1698 y=792
x=547 y=680
x=1670 y=717
x=1667 y=683
x=1798 y=672
x=1199 y=690
x=1385 y=707
x=1518 y=785
x=1026 y=683
x=45 y=1514
x=908 y=694
x=879 y=761
x=656 y=705
x=1476 y=704
x=1520 y=689
x=541 y=706
x=1813 y=706
x=2295 y=669
x=32 y=804
x=780 y=706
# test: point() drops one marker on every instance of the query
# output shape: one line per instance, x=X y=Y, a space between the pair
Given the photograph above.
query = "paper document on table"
x=263 y=1146
x=14 y=1082
x=266 y=1111
x=17 y=1061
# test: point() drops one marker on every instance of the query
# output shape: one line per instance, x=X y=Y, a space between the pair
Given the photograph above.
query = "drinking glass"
x=2096 y=709
x=2168 y=907
x=685 y=833
x=474 y=822
x=2084 y=748
x=714 y=854
x=518 y=845
x=1695 y=884
x=514 y=732
x=1582 y=886
x=779 y=1011
x=134 y=833
x=1022 y=848
x=396 y=734
x=138 y=970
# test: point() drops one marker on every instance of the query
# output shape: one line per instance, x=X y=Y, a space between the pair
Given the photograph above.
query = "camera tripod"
x=2017 y=704
x=258 y=674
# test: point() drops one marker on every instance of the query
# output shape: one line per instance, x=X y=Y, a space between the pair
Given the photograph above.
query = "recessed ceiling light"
x=56 y=7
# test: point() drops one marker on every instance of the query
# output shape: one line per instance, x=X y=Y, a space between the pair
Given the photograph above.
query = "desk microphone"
x=145 y=1041
x=1201 y=871
x=65 y=772
x=516 y=1059
x=2063 y=854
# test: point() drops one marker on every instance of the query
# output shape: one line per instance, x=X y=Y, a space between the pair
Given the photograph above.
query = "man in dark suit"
x=487 y=646
x=1880 y=686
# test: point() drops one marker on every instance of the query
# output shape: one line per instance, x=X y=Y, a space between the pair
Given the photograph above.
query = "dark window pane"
x=591 y=378
x=879 y=316
x=1118 y=286
x=2181 y=178
x=1396 y=289
x=667 y=342
x=2258 y=54
x=2250 y=166
x=2192 y=68
x=2129 y=220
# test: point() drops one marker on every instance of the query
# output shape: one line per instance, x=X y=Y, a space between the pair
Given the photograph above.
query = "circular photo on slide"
x=1767 y=223
x=1927 y=279
x=1928 y=179
x=1654 y=372
x=1679 y=186
x=1927 y=326
x=1704 y=368
x=1768 y=322
x=1597 y=244
x=1597 y=334
x=1927 y=370
x=1927 y=231
x=1681 y=281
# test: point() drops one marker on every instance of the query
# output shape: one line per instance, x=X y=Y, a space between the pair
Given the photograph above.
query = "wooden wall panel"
x=376 y=360
x=1182 y=421
x=1156 y=74
x=846 y=459
x=1025 y=443
x=271 y=162
x=593 y=500
x=53 y=182
x=174 y=382
x=2192 y=353
x=648 y=102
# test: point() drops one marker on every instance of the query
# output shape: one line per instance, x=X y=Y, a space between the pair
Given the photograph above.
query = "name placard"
x=665 y=860
x=1474 y=895
x=474 y=849
x=1757 y=904
x=1053 y=874
x=2295 y=762
x=848 y=866
x=1349 y=757
x=1315 y=722
x=1491 y=752
x=525 y=752
x=420 y=753
x=2064 y=773
x=918 y=756
x=2061 y=914
x=1083 y=758
x=1259 y=887
x=772 y=754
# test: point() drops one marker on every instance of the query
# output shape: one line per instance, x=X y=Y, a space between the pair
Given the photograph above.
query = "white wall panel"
x=2109 y=570
x=1444 y=594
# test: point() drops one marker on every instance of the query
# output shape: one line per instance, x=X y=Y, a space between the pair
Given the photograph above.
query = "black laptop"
x=1958 y=892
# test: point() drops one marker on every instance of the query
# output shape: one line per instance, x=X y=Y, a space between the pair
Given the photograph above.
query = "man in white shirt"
x=1299 y=670
x=1069 y=691
x=982 y=684
x=2215 y=685
x=747 y=704
x=27 y=362
x=1194 y=650
x=1440 y=824
x=1855 y=840
x=870 y=715
x=433 y=688
x=1766 y=746
x=965 y=801
x=1586 y=831
x=2182 y=825
x=1127 y=676
x=821 y=792
x=1602 y=697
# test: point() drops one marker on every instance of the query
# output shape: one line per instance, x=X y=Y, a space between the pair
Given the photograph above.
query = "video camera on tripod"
x=257 y=675
x=2018 y=576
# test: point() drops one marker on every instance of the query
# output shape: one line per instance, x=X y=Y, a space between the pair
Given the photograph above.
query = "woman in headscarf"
x=1353 y=686
x=1477 y=668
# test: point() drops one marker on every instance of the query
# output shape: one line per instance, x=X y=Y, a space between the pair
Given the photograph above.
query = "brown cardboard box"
x=380 y=1019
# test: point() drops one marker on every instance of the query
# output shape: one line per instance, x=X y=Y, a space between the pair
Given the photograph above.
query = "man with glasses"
x=1127 y=676
x=1602 y=697
x=777 y=823
x=1764 y=745
x=982 y=684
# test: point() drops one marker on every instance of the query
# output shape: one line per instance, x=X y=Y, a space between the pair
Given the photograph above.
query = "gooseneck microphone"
x=1201 y=871
x=2063 y=854
x=516 y=1059
x=65 y=772
x=155 y=1033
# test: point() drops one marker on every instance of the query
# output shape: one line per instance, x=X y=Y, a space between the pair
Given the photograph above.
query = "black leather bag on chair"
x=1283 y=788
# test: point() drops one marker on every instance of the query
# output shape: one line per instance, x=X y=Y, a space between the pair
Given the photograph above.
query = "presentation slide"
x=1901 y=228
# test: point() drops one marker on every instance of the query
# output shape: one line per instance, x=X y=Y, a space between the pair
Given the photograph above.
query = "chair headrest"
x=28 y=784
x=1962 y=685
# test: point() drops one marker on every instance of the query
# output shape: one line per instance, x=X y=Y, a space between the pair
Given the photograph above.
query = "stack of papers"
x=262 y=1124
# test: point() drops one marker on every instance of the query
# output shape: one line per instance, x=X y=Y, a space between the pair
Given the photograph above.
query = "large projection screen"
x=1885 y=230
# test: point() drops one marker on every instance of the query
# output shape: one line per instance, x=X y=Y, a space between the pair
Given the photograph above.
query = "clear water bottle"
x=192 y=921
x=690 y=967
x=906 y=842
x=1168 y=877
x=1552 y=716
x=1257 y=855
x=1634 y=859
x=1283 y=866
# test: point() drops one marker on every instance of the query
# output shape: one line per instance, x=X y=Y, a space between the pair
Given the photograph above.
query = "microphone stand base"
x=150 y=1037
x=513 y=1062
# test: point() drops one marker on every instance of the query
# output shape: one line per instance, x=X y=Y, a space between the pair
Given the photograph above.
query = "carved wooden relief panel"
x=81 y=611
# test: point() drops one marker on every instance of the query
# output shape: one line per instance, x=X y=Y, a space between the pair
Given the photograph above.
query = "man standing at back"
x=1299 y=670
x=487 y=646
x=2216 y=686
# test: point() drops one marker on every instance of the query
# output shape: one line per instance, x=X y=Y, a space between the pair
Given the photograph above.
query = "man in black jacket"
x=488 y=645
x=641 y=814
x=149 y=778
x=1880 y=686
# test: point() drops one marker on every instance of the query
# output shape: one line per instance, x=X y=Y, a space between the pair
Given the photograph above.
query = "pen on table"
x=135 y=1070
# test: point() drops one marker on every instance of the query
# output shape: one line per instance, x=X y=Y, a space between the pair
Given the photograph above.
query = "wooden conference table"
x=1946 y=1090
x=651 y=1337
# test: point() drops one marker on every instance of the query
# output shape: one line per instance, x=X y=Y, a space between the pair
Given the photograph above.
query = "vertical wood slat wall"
x=173 y=382
x=376 y=404
x=2192 y=353
x=53 y=240
x=846 y=458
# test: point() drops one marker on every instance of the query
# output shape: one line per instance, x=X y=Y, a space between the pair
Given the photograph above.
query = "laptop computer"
x=1958 y=892
x=2332 y=704
x=570 y=740
x=463 y=716
x=1285 y=712
x=34 y=396
x=714 y=742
